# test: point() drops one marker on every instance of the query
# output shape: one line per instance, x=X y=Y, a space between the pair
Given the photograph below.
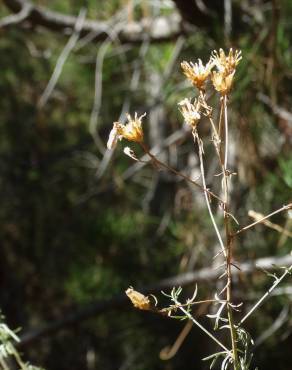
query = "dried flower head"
x=190 y=111
x=131 y=131
x=226 y=63
x=139 y=300
x=197 y=73
x=222 y=82
x=226 y=66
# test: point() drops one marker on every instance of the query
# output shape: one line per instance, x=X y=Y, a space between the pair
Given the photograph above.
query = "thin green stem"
x=200 y=326
x=193 y=303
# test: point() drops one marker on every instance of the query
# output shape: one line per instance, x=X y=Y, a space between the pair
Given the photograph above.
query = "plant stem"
x=196 y=137
x=284 y=208
x=229 y=239
x=192 y=303
x=3 y=364
x=277 y=282
x=227 y=249
x=200 y=326
x=229 y=300
x=226 y=141
x=171 y=169
x=223 y=160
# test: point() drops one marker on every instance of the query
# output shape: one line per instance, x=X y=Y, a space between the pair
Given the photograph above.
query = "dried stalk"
x=190 y=317
x=229 y=240
x=201 y=151
x=284 y=208
x=258 y=303
x=171 y=169
x=223 y=160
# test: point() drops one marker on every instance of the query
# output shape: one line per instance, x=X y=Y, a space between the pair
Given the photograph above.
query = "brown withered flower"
x=131 y=131
x=221 y=82
x=226 y=66
x=197 y=73
x=190 y=111
x=226 y=63
x=139 y=300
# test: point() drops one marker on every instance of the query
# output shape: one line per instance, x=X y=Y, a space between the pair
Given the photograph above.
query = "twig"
x=17 y=18
x=174 y=307
x=197 y=138
x=172 y=139
x=62 y=58
x=226 y=141
x=227 y=19
x=279 y=111
x=157 y=161
x=284 y=208
x=98 y=94
x=229 y=239
x=190 y=317
x=3 y=364
x=161 y=29
x=258 y=216
x=266 y=295
x=169 y=352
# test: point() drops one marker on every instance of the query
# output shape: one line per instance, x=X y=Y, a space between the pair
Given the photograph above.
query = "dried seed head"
x=139 y=300
x=221 y=82
x=131 y=131
x=226 y=66
x=197 y=73
x=233 y=59
x=190 y=111
x=226 y=63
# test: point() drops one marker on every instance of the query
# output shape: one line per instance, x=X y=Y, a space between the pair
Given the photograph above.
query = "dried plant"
x=220 y=71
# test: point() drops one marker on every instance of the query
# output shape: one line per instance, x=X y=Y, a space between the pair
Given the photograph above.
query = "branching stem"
x=258 y=303
x=223 y=160
x=200 y=326
x=229 y=239
x=284 y=208
x=200 y=146
x=193 y=303
x=171 y=169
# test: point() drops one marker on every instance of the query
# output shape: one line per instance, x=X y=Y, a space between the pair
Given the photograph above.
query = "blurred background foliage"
x=72 y=235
